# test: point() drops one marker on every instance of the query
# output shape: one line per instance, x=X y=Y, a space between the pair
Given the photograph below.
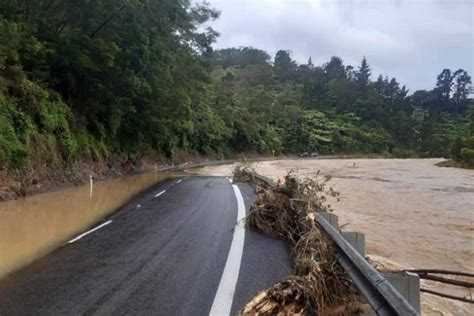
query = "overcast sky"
x=412 y=40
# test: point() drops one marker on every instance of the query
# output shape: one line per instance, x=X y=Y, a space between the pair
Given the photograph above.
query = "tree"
x=284 y=66
x=452 y=91
x=310 y=64
x=243 y=56
x=422 y=98
x=460 y=97
x=335 y=68
x=442 y=91
x=362 y=76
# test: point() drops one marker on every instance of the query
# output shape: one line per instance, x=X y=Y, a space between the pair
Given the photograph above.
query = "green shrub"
x=467 y=156
x=12 y=150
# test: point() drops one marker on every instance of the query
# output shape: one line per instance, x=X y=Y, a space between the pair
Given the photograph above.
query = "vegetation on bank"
x=90 y=80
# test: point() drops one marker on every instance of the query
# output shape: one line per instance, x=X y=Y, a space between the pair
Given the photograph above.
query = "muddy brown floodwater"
x=33 y=226
x=413 y=213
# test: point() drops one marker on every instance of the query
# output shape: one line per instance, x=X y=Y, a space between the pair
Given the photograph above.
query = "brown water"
x=413 y=213
x=33 y=226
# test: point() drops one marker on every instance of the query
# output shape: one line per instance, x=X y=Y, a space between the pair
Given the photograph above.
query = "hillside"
x=114 y=82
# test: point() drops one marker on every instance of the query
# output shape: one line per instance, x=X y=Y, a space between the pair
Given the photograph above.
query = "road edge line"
x=89 y=231
x=224 y=298
x=162 y=192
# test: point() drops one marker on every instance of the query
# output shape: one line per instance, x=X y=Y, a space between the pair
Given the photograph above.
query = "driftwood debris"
x=319 y=285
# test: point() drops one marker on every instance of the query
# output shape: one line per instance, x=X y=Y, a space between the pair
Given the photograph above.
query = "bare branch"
x=447 y=281
x=439 y=271
x=457 y=298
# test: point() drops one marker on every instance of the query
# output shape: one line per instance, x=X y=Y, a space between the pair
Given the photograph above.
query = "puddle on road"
x=32 y=226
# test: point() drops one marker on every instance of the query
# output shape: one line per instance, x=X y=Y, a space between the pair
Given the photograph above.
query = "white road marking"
x=225 y=292
x=89 y=231
x=230 y=180
x=179 y=181
x=139 y=205
x=162 y=192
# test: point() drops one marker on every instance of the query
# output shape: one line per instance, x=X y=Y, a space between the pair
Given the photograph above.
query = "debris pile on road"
x=319 y=285
x=244 y=174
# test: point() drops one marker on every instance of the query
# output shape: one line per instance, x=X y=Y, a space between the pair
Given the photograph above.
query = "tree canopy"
x=92 y=79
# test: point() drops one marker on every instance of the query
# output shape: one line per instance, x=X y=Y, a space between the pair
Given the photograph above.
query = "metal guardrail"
x=380 y=294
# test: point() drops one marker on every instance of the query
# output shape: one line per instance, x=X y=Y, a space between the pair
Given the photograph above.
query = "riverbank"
x=413 y=213
x=41 y=178
x=454 y=164
x=17 y=183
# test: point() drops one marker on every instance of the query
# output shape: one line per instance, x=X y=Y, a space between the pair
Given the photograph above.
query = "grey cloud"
x=410 y=40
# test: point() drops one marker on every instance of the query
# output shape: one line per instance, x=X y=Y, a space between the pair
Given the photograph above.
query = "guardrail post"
x=407 y=284
x=379 y=292
x=330 y=218
x=357 y=240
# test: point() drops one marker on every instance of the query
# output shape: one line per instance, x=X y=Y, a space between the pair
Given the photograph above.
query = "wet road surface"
x=165 y=253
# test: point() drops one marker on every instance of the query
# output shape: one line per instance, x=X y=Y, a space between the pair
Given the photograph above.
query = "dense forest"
x=92 y=80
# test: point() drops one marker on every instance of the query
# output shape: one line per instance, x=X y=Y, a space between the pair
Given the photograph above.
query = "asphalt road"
x=165 y=253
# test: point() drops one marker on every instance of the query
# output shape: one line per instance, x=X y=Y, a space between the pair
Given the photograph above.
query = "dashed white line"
x=179 y=181
x=225 y=292
x=89 y=231
x=162 y=192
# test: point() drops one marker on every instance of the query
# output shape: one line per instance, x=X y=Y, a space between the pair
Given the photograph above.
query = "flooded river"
x=413 y=213
x=33 y=226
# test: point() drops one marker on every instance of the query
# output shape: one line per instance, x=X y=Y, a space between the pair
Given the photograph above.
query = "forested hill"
x=336 y=108
x=91 y=80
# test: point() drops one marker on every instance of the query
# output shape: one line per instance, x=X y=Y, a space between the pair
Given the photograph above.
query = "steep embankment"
x=15 y=183
x=97 y=94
